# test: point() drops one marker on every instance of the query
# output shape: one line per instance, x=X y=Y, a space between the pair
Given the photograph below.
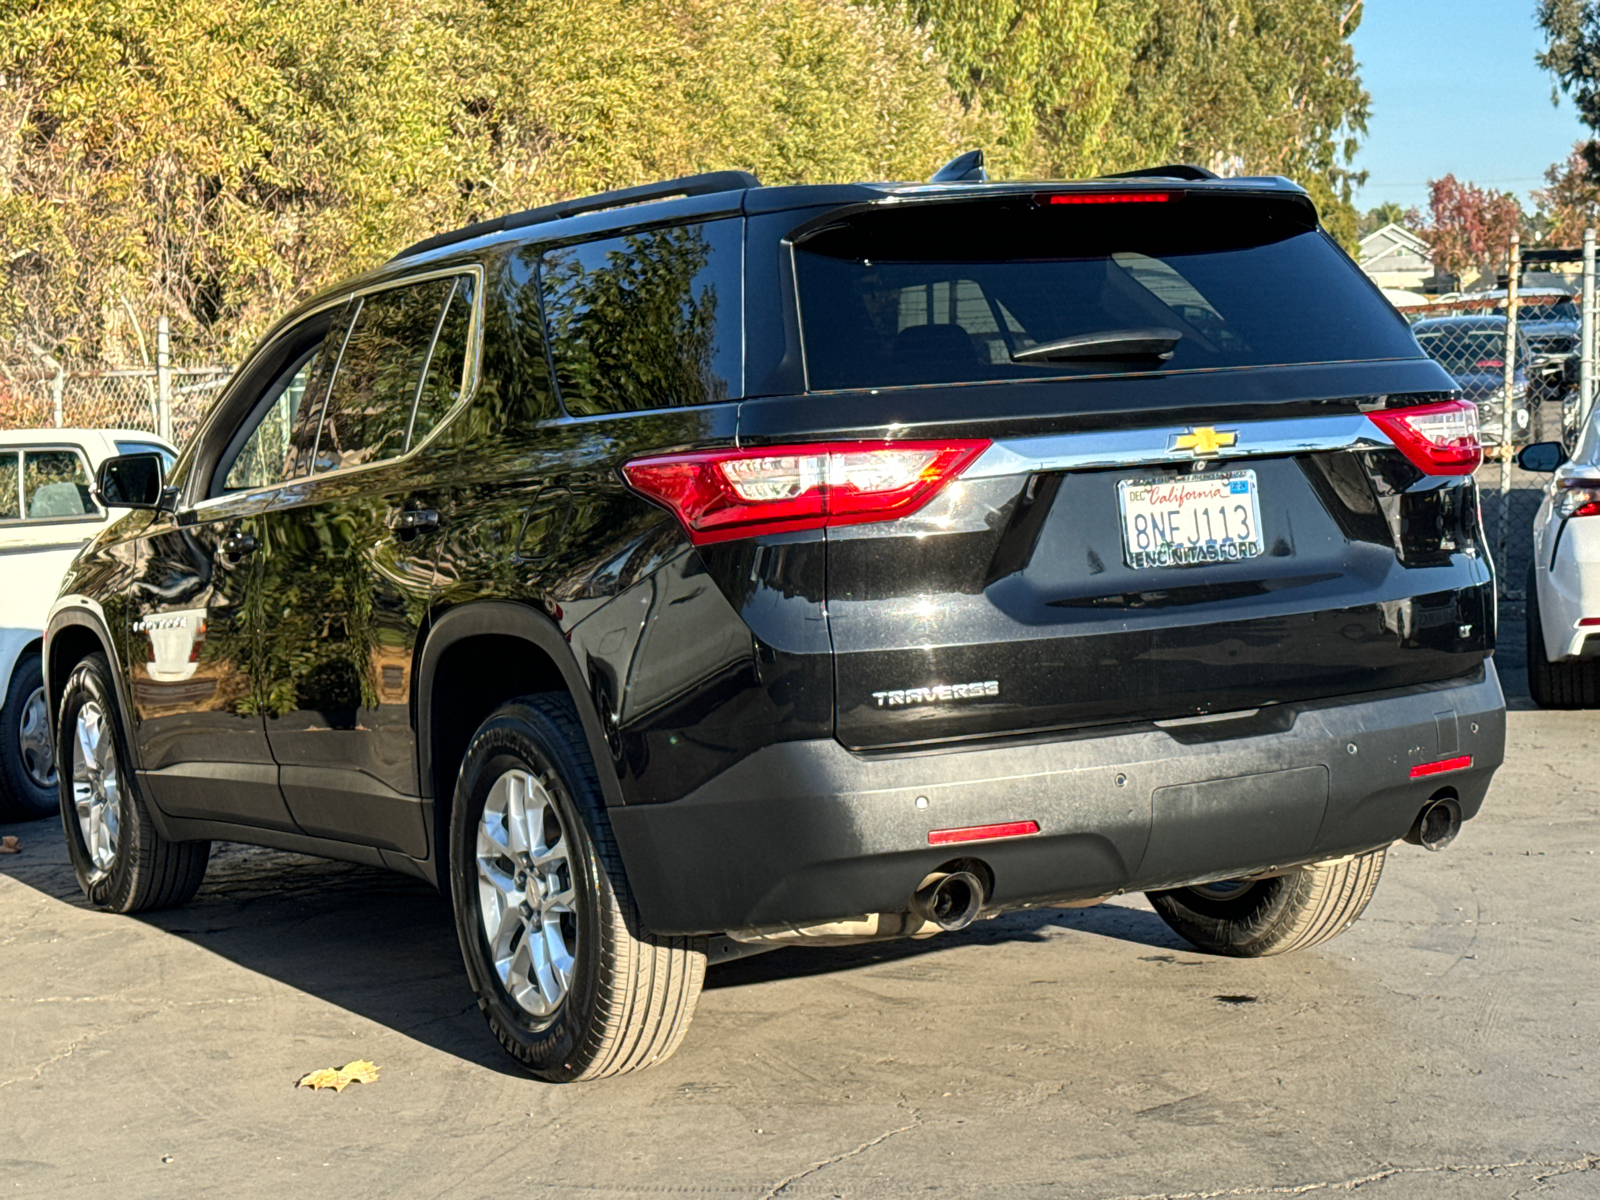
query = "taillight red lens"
x=1578 y=498
x=724 y=494
x=1440 y=439
x=1104 y=198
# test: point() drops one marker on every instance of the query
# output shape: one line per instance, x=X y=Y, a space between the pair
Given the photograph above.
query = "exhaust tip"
x=950 y=901
x=1436 y=825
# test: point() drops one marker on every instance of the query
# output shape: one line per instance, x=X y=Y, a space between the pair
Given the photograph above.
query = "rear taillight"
x=1578 y=498
x=1439 y=439
x=719 y=495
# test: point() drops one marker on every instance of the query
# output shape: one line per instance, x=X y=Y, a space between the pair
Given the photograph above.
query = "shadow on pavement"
x=384 y=947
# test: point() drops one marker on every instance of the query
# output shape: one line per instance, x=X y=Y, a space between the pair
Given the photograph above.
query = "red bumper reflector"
x=1440 y=767
x=981 y=833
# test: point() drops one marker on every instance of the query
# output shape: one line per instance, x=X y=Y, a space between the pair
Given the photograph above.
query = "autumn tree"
x=1467 y=227
x=1569 y=202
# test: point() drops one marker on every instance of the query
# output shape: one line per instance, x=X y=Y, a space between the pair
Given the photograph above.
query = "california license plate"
x=1174 y=522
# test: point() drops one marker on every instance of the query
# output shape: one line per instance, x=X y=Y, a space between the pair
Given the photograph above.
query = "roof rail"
x=689 y=185
x=1170 y=171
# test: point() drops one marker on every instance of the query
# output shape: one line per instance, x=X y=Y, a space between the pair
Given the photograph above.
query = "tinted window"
x=10 y=487
x=650 y=320
x=55 y=486
x=948 y=293
x=266 y=456
x=441 y=386
x=369 y=405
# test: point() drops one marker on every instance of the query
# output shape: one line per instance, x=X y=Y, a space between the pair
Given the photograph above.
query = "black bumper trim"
x=807 y=831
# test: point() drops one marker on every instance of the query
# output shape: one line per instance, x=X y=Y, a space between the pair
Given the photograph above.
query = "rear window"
x=1465 y=351
x=949 y=293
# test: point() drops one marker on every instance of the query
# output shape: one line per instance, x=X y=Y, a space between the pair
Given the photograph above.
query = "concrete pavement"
x=1446 y=1046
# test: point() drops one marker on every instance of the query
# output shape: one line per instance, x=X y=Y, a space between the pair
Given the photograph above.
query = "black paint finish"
x=304 y=663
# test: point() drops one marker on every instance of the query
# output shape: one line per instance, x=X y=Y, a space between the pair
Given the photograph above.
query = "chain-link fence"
x=1519 y=353
x=166 y=401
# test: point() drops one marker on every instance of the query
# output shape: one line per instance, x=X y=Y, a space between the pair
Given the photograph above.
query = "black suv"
x=708 y=567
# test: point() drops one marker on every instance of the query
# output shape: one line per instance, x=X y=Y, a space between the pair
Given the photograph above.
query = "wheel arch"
x=15 y=645
x=74 y=632
x=523 y=651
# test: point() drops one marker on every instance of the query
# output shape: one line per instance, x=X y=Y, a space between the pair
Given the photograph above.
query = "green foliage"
x=216 y=160
x=1374 y=219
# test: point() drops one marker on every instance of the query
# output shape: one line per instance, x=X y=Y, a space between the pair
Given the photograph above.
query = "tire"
x=1559 y=684
x=614 y=998
x=123 y=864
x=27 y=754
x=1273 y=916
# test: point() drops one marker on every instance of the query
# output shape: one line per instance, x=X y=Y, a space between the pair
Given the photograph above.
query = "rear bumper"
x=807 y=831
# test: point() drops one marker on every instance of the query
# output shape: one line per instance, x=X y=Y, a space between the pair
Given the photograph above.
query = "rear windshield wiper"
x=1112 y=345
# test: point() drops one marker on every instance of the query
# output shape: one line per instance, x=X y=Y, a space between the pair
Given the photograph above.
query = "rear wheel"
x=122 y=862
x=1253 y=918
x=571 y=983
x=1556 y=684
x=27 y=755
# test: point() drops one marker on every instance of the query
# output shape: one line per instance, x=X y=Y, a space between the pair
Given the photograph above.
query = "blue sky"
x=1455 y=89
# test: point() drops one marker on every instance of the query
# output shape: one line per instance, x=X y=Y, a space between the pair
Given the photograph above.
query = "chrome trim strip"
x=1141 y=447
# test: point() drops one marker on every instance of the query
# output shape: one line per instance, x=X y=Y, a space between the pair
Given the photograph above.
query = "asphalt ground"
x=1446 y=1046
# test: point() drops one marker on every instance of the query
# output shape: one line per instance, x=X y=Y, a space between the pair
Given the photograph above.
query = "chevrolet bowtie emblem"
x=1204 y=440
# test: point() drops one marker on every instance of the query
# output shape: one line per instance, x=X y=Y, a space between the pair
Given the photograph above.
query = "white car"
x=1564 y=577
x=47 y=512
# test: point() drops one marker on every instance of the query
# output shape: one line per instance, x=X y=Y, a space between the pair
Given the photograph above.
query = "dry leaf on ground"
x=360 y=1071
x=10 y=845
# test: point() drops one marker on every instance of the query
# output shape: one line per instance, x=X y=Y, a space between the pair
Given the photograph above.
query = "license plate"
x=1174 y=522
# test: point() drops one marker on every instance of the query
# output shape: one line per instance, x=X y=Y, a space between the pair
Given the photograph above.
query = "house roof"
x=1392 y=239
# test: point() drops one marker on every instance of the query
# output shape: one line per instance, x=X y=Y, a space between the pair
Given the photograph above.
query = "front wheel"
x=1254 y=918
x=571 y=983
x=122 y=861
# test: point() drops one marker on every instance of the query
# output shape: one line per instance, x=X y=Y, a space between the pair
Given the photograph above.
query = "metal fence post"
x=1508 y=410
x=1586 y=332
x=164 y=378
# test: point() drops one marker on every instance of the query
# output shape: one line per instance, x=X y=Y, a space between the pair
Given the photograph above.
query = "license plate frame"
x=1150 y=546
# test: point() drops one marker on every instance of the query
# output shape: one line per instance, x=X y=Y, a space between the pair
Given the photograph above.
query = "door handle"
x=237 y=544
x=415 y=520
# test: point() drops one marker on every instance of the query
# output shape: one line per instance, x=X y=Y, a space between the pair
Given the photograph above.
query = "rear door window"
x=648 y=320
x=374 y=391
x=949 y=293
x=447 y=365
x=55 y=486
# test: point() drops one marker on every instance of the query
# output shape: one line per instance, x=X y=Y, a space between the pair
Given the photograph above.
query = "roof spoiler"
x=689 y=185
x=1170 y=171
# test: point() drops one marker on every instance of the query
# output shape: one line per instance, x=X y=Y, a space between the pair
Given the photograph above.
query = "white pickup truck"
x=47 y=512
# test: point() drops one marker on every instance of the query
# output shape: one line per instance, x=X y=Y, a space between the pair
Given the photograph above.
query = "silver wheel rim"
x=1223 y=889
x=96 y=785
x=33 y=740
x=527 y=906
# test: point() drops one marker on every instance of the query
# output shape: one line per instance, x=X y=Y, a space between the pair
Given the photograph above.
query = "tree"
x=1251 y=87
x=1467 y=227
x=1570 y=203
x=1572 y=55
x=217 y=159
x=1388 y=213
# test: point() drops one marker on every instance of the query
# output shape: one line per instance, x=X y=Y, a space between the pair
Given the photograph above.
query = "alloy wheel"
x=96 y=785
x=33 y=740
x=527 y=904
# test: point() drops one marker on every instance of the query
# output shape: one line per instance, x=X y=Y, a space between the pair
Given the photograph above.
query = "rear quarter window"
x=948 y=293
x=648 y=320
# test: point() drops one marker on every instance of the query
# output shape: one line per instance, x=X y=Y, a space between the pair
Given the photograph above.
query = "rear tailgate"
x=1142 y=538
